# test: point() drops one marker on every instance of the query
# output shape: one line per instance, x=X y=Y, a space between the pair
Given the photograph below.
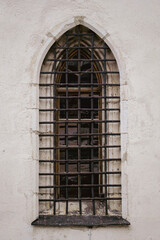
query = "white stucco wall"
x=132 y=30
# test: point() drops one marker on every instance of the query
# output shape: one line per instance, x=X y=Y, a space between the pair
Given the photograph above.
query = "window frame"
x=73 y=220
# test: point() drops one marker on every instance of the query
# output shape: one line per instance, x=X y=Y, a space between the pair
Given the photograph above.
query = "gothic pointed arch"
x=80 y=164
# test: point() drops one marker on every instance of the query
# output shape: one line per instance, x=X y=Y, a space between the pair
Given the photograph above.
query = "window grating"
x=80 y=127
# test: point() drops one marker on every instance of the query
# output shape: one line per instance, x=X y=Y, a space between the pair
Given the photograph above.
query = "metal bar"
x=82 y=84
x=76 y=173
x=105 y=150
x=66 y=124
x=83 y=60
x=81 y=160
x=82 y=185
x=81 y=47
x=54 y=139
x=82 y=134
x=84 y=147
x=80 y=72
x=79 y=199
x=81 y=109
x=82 y=121
x=79 y=120
x=78 y=34
x=92 y=127
x=82 y=97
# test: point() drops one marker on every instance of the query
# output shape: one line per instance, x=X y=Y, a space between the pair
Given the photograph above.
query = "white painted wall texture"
x=132 y=30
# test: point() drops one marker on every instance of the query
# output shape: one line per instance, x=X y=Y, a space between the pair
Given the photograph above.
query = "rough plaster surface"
x=132 y=30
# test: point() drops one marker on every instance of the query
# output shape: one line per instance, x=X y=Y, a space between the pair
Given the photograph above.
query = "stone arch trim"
x=48 y=41
x=53 y=34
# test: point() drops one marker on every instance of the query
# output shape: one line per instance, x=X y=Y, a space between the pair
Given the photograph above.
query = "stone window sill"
x=85 y=221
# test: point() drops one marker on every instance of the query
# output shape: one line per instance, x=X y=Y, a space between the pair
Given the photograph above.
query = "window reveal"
x=79 y=128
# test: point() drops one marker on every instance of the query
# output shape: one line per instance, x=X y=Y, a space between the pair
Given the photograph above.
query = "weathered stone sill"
x=85 y=221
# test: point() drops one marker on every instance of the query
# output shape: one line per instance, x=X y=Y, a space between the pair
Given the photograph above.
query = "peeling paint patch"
x=79 y=20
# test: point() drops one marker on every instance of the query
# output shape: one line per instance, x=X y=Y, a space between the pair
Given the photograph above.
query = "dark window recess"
x=79 y=114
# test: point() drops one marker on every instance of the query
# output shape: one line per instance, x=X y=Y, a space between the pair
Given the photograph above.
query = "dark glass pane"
x=95 y=102
x=72 y=128
x=95 y=127
x=72 y=78
x=95 y=79
x=73 y=103
x=62 y=103
x=86 y=191
x=85 y=140
x=73 y=180
x=63 y=78
x=62 y=106
x=62 y=189
x=72 y=191
x=96 y=181
x=95 y=114
x=85 y=128
x=72 y=153
x=73 y=65
x=95 y=140
x=62 y=167
x=62 y=154
x=95 y=153
x=85 y=167
x=61 y=139
x=85 y=103
x=86 y=66
x=86 y=179
x=72 y=140
x=85 y=78
x=85 y=153
x=96 y=167
x=86 y=114
x=72 y=167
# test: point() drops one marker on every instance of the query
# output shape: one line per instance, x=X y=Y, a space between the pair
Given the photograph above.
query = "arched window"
x=80 y=164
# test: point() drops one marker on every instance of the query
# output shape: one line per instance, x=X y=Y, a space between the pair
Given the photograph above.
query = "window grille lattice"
x=79 y=127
